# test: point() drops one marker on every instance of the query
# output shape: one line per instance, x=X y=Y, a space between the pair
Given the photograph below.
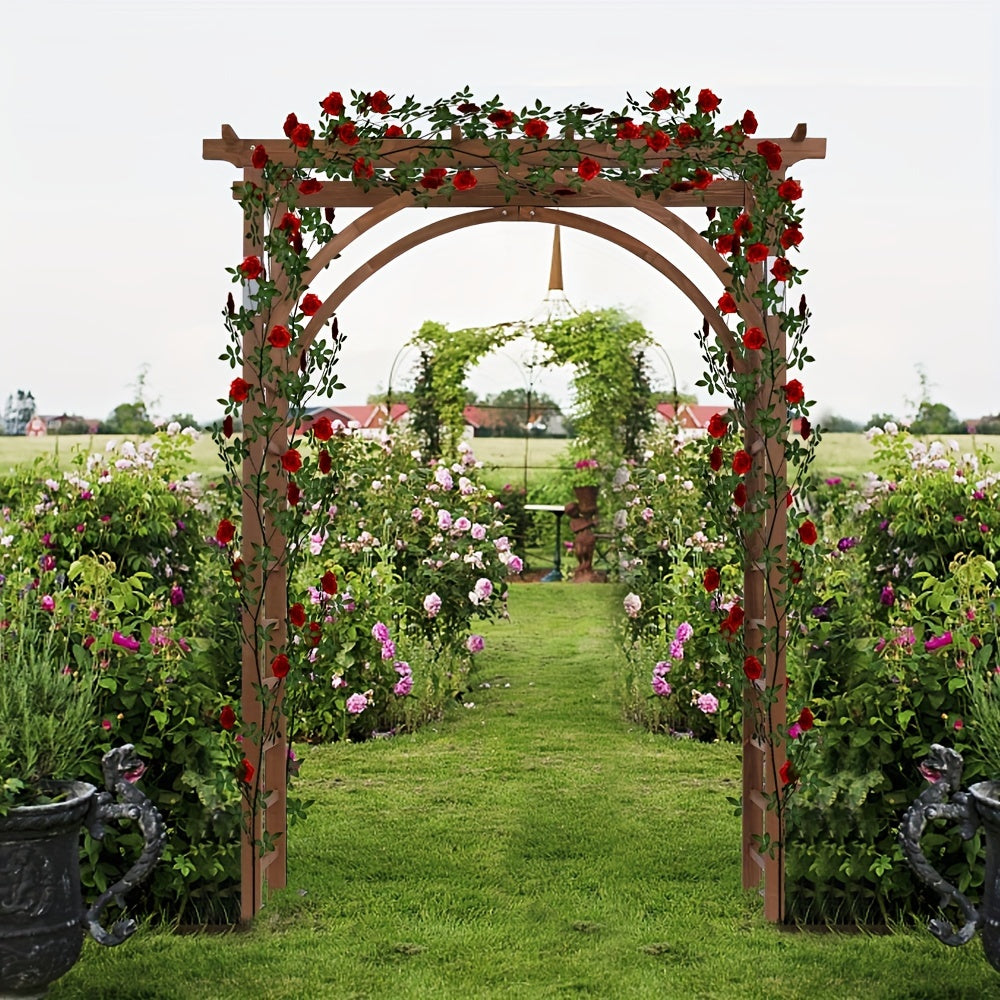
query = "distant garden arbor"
x=666 y=154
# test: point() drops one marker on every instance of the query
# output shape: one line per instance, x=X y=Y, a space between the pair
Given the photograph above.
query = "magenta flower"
x=356 y=704
x=380 y=632
x=475 y=644
x=938 y=642
x=676 y=650
x=388 y=650
x=661 y=686
x=125 y=642
x=48 y=603
x=888 y=596
x=432 y=605
x=684 y=632
x=515 y=565
x=403 y=686
x=708 y=704
x=176 y=595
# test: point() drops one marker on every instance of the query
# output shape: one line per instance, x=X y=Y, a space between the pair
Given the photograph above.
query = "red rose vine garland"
x=672 y=141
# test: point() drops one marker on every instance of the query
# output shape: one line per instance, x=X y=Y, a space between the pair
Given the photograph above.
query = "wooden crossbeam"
x=468 y=154
x=345 y=194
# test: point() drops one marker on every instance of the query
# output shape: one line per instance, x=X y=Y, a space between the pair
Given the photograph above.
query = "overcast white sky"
x=117 y=233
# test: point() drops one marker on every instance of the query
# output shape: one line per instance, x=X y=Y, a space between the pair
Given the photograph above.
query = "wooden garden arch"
x=766 y=549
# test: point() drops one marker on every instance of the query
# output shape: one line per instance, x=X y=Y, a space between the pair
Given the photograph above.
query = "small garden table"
x=555 y=574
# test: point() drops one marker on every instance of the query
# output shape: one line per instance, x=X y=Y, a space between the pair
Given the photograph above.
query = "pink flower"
x=794 y=731
x=661 y=687
x=388 y=650
x=176 y=595
x=515 y=565
x=125 y=642
x=403 y=686
x=684 y=632
x=444 y=520
x=708 y=704
x=380 y=632
x=475 y=644
x=356 y=704
x=676 y=650
x=106 y=725
x=959 y=724
x=432 y=605
x=938 y=642
x=632 y=604
x=48 y=604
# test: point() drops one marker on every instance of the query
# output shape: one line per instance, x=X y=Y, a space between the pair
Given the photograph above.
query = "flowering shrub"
x=897 y=626
x=410 y=555
x=678 y=674
x=113 y=553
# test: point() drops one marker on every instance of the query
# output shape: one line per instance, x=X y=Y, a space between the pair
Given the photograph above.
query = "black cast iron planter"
x=42 y=914
x=978 y=806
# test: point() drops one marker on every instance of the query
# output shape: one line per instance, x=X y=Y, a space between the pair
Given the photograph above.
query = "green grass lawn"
x=531 y=845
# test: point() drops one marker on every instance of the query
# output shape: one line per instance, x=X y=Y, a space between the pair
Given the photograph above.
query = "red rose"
x=771 y=152
x=806 y=719
x=535 y=128
x=657 y=141
x=333 y=104
x=227 y=718
x=237 y=571
x=329 y=583
x=291 y=461
x=239 y=389
x=464 y=180
x=251 y=268
x=393 y=132
x=225 y=532
x=805 y=428
x=315 y=630
x=787 y=773
x=742 y=224
x=433 y=178
x=502 y=119
x=783 y=269
x=749 y=123
x=807 y=533
x=348 y=134
x=733 y=620
x=727 y=304
x=791 y=237
x=293 y=494
x=468 y=108
x=740 y=495
x=794 y=571
x=310 y=304
x=290 y=123
x=662 y=99
x=227 y=426
x=362 y=168
x=728 y=243
x=588 y=169
x=788 y=497
x=702 y=178
x=310 y=186
x=686 y=133
x=752 y=668
x=301 y=135
x=707 y=102
x=325 y=462
x=279 y=666
x=322 y=428
x=718 y=425
x=742 y=462
x=711 y=580
x=629 y=130
x=794 y=392
x=297 y=615
x=291 y=222
x=753 y=338
x=279 y=336
x=715 y=459
x=258 y=158
x=790 y=190
x=757 y=252
x=245 y=772
x=379 y=102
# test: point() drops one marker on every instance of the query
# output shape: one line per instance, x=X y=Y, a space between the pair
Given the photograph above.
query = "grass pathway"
x=534 y=845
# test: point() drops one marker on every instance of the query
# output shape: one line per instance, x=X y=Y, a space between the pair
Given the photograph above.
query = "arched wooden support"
x=547 y=215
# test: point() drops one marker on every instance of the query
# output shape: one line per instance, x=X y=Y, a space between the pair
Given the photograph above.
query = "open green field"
x=845 y=455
